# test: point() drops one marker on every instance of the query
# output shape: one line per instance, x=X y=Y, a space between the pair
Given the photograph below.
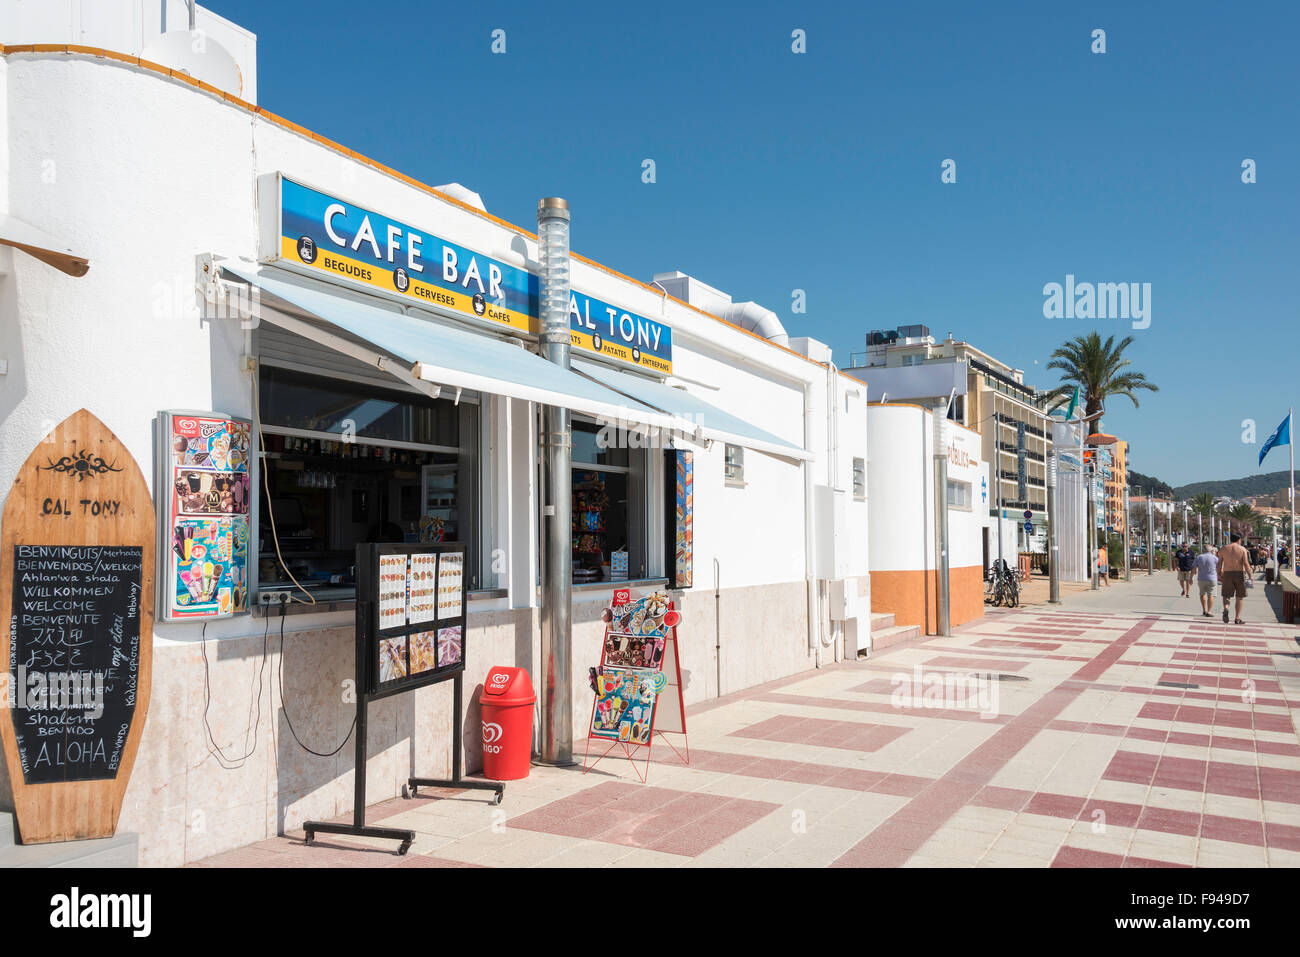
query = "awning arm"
x=40 y=245
x=338 y=343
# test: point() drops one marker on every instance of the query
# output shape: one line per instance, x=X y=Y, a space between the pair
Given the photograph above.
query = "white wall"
x=900 y=477
x=130 y=26
x=143 y=174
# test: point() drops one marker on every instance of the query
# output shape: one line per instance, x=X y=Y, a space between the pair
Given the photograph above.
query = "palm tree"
x=1203 y=504
x=1243 y=518
x=1096 y=368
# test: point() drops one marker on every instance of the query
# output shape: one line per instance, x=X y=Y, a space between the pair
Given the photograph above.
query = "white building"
x=908 y=365
x=191 y=207
x=901 y=477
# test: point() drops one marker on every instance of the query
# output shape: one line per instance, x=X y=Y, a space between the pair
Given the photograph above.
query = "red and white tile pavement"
x=1106 y=738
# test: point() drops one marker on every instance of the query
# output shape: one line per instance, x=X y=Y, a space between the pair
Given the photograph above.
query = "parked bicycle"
x=1002 y=585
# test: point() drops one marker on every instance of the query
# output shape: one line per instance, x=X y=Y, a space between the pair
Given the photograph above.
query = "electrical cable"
x=227 y=762
x=285 y=709
x=266 y=489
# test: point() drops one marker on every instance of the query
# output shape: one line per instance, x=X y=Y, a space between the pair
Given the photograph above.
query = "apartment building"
x=987 y=395
x=1116 y=482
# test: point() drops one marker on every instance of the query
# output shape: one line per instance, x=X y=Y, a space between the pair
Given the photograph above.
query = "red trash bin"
x=507 y=705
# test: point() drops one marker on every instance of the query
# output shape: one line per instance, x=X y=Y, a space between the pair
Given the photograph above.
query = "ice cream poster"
x=392 y=659
x=625 y=705
x=684 y=521
x=215 y=444
x=450 y=646
x=210 y=560
x=205 y=471
x=204 y=492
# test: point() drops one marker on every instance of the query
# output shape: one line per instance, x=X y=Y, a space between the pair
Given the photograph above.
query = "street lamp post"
x=1053 y=572
x=1151 y=534
x=1092 y=527
x=1128 y=565
x=941 y=513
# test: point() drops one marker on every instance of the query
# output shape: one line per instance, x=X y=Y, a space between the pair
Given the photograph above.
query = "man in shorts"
x=1234 y=569
x=1206 y=567
x=1185 y=558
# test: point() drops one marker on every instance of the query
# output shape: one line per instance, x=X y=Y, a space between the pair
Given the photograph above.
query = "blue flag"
x=1281 y=436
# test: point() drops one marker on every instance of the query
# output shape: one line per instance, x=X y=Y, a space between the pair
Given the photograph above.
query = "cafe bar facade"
x=354 y=355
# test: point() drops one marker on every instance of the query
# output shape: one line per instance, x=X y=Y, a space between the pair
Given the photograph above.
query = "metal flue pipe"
x=557 y=449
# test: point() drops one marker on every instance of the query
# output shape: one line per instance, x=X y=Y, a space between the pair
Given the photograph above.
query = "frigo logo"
x=491 y=735
x=499 y=680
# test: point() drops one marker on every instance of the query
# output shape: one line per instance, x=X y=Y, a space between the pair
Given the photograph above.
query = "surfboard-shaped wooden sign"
x=76 y=600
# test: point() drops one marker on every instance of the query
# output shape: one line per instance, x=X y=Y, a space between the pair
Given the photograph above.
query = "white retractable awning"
x=709 y=420
x=426 y=353
x=21 y=235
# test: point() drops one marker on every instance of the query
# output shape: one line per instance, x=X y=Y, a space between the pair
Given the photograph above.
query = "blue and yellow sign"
x=356 y=245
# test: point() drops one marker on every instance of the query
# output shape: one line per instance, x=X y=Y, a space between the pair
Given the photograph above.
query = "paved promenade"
x=1119 y=728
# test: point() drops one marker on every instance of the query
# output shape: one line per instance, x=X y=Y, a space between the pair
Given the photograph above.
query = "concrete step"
x=881 y=619
x=121 y=850
x=882 y=638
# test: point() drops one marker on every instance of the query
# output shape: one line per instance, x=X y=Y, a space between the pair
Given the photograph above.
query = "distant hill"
x=1251 y=485
x=1144 y=482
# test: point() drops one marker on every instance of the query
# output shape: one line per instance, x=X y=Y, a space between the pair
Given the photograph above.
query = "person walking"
x=1206 y=567
x=1234 y=572
x=1185 y=560
x=1103 y=563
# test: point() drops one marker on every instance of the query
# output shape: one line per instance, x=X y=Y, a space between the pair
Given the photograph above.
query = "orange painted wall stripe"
x=912 y=596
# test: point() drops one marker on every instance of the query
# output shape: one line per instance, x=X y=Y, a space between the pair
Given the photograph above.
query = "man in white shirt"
x=1206 y=567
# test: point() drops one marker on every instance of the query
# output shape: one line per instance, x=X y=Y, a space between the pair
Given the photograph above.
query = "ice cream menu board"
x=638 y=682
x=424 y=587
x=450 y=577
x=410 y=613
x=392 y=591
x=204 y=514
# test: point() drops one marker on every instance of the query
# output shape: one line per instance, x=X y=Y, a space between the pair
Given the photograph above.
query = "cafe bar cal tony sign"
x=330 y=238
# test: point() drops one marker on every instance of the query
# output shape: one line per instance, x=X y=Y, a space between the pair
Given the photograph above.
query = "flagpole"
x=1090 y=535
x=1291 y=446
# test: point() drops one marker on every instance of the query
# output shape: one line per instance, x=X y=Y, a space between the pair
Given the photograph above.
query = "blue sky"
x=821 y=171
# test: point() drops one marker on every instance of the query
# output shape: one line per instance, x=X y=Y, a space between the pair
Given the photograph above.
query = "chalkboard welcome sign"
x=76 y=590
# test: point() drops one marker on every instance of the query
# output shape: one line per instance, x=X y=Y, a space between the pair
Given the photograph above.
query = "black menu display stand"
x=410 y=633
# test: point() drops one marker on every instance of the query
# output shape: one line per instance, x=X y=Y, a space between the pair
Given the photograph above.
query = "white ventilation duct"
x=758 y=320
x=464 y=194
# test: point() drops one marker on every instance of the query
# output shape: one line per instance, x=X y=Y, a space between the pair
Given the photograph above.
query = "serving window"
x=610 y=509
x=346 y=463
